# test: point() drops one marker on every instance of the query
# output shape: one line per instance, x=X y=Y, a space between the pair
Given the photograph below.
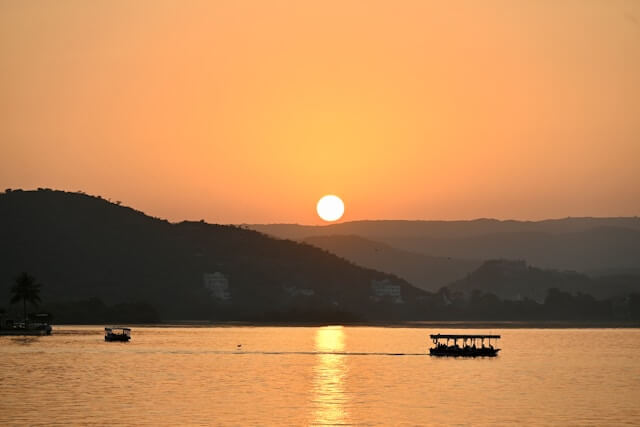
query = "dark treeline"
x=557 y=305
x=94 y=311
x=443 y=306
x=447 y=305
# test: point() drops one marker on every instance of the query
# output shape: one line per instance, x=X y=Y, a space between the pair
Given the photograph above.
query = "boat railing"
x=118 y=331
x=472 y=345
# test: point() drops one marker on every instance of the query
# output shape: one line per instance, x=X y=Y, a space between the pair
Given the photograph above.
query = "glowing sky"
x=250 y=111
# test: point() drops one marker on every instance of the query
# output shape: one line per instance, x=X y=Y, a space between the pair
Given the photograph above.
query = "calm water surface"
x=318 y=376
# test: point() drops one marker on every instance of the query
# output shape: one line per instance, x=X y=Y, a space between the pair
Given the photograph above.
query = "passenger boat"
x=38 y=324
x=469 y=348
x=117 y=334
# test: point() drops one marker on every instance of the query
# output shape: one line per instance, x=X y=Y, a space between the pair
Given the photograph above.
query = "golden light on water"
x=329 y=396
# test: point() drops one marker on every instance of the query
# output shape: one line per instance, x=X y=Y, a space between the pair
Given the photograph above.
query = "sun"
x=330 y=208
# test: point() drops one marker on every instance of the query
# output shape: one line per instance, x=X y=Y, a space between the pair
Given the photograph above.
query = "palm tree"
x=27 y=290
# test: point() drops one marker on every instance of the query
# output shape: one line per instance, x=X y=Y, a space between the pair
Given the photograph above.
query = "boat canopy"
x=462 y=337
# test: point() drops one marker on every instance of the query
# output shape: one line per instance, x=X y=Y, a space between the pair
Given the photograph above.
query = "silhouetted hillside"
x=515 y=280
x=81 y=247
x=427 y=272
x=101 y=262
x=581 y=244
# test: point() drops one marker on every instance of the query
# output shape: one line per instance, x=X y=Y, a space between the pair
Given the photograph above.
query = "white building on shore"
x=386 y=289
x=217 y=285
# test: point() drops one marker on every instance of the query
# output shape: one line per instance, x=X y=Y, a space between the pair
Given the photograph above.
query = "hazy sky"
x=249 y=111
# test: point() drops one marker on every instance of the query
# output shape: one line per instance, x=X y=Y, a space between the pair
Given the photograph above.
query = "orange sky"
x=249 y=111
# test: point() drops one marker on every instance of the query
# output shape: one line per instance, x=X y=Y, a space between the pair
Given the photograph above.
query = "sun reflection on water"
x=330 y=399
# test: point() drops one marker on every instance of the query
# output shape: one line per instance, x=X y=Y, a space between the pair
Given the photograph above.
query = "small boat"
x=117 y=334
x=37 y=325
x=469 y=348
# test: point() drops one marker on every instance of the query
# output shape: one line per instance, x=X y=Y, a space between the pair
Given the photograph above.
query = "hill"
x=515 y=280
x=581 y=244
x=426 y=272
x=81 y=247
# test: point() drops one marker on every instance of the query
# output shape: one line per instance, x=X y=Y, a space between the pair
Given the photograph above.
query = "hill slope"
x=426 y=272
x=581 y=244
x=81 y=246
x=515 y=280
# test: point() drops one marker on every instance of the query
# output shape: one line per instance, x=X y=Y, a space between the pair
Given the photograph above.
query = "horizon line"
x=240 y=224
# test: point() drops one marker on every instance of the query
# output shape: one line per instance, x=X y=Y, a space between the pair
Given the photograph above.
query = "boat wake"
x=321 y=353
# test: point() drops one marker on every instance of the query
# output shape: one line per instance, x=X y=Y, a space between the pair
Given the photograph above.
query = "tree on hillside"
x=26 y=290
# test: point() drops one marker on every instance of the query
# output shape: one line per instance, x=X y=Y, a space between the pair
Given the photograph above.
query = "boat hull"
x=464 y=352
x=25 y=332
x=117 y=338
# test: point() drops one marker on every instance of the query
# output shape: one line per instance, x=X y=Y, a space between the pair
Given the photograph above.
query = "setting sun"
x=330 y=208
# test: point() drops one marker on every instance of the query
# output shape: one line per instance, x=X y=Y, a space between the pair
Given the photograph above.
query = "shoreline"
x=422 y=324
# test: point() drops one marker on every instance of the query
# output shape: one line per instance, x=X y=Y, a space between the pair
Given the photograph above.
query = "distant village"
x=381 y=290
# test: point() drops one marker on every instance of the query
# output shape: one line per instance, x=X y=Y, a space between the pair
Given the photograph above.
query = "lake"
x=330 y=375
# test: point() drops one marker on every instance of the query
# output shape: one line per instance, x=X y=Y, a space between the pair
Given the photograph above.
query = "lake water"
x=318 y=376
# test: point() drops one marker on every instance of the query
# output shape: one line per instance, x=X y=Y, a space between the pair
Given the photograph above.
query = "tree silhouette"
x=26 y=290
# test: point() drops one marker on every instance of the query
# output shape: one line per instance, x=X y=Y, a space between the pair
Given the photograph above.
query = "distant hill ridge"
x=583 y=244
x=427 y=272
x=80 y=246
x=446 y=229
